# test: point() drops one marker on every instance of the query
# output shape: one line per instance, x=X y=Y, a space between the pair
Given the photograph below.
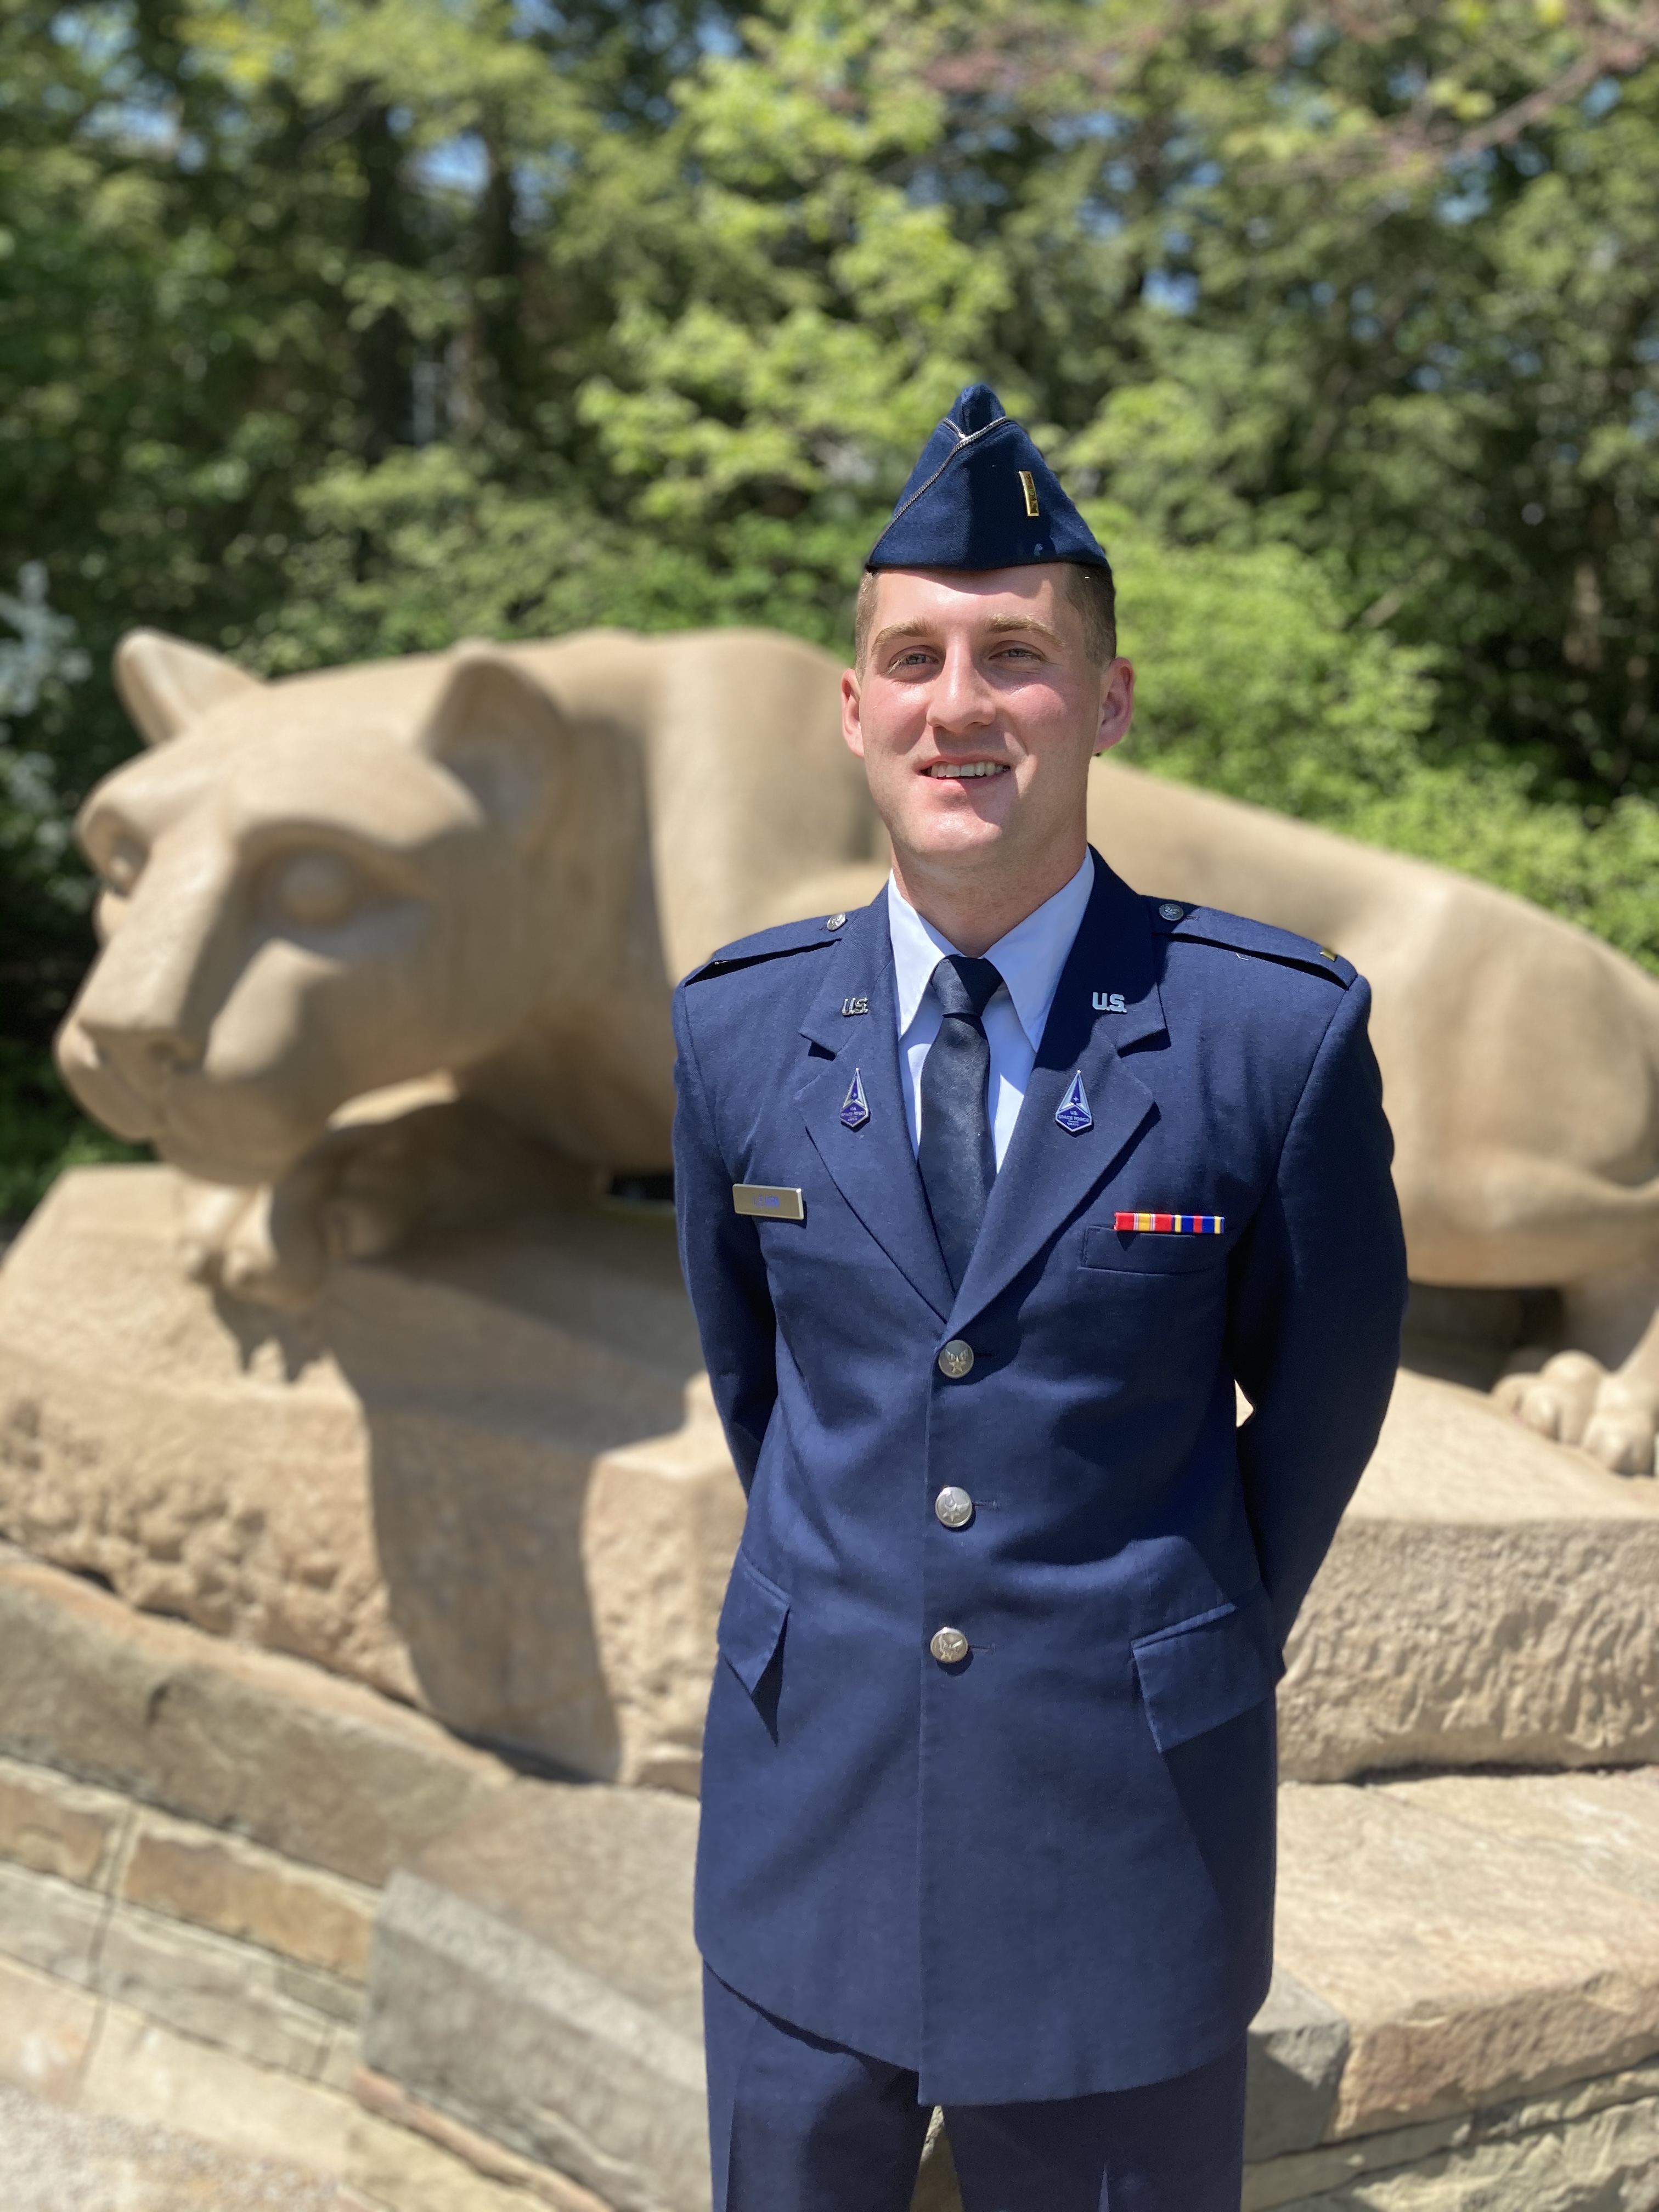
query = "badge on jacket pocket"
x=1171 y=1224
x=769 y=1202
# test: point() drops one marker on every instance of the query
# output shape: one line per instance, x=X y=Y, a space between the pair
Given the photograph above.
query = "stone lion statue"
x=479 y=874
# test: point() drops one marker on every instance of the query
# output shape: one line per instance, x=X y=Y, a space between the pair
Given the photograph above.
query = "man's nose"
x=962 y=699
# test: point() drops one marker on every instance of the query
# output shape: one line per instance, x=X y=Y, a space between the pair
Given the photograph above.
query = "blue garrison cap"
x=981 y=496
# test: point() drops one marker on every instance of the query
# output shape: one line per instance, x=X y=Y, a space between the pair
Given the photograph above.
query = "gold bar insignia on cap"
x=770 y=1201
x=1027 y=485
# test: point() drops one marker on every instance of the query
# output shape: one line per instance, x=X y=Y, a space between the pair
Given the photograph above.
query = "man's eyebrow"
x=1000 y=623
x=913 y=629
x=1023 y=622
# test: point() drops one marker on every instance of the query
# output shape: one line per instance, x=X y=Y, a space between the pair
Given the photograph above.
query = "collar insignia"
x=1074 y=1115
x=854 y=1108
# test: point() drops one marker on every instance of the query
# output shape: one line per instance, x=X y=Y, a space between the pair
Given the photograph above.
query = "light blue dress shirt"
x=1029 y=959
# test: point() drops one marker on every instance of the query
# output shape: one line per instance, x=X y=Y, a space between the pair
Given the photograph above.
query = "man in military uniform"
x=988 y=1196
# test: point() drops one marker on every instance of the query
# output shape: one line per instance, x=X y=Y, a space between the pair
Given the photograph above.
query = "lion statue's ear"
x=502 y=735
x=166 y=684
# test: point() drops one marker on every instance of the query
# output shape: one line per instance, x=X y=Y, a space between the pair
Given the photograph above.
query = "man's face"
x=976 y=713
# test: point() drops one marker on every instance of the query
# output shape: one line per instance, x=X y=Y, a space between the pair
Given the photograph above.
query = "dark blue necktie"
x=958 y=1160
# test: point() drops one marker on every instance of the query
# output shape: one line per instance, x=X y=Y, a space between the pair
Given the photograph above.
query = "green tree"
x=332 y=333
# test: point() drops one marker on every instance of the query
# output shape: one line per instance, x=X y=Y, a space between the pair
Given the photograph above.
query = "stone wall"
x=278 y=1912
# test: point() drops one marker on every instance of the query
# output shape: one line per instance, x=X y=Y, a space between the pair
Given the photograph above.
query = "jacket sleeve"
x=1316 y=1302
x=724 y=1267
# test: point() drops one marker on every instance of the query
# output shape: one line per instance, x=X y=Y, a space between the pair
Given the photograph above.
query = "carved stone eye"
x=123 y=865
x=314 y=889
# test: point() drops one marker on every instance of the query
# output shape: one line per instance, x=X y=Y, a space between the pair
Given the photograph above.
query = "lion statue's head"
x=314 y=889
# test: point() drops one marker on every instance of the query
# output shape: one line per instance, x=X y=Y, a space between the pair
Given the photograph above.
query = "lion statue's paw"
x=228 y=1239
x=352 y=1197
x=1574 y=1400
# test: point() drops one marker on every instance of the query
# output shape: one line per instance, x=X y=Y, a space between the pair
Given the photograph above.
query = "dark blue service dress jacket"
x=1047 y=1871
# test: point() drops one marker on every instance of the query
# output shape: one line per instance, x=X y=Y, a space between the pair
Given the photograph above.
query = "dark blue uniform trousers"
x=799 y=2125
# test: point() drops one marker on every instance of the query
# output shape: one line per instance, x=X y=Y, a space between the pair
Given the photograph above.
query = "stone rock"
x=140 y=2070
x=220 y=1882
x=1468 y=1970
x=534 y=1977
x=1580 y=2150
x=218 y=1992
x=535 y=1985
x=1605 y=1826
x=51 y=1925
x=58 y=1826
x=318 y=1769
x=519 y=1412
x=404 y=2153
x=937 y=2188
x=1490 y=1598
x=45 y=2031
x=51 y=2160
x=1298 y=2046
x=661 y=1524
x=469 y=1479
x=1607 y=2160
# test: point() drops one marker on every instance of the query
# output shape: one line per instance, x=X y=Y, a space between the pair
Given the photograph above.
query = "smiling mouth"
x=959 y=771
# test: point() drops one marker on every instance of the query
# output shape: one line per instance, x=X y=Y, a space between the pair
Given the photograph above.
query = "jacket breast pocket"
x=1206 y=1671
x=1143 y=1252
x=751 y=1624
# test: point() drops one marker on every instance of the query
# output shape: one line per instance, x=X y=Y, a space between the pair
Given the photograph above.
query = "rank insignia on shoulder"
x=770 y=1201
x=1073 y=1114
x=855 y=1005
x=854 y=1108
x=1172 y=1224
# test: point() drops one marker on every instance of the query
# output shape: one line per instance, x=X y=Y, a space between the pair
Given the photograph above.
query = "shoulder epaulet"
x=774 y=943
x=1236 y=932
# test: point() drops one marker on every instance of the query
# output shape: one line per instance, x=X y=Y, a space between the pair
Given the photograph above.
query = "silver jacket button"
x=1171 y=912
x=956 y=1359
x=949 y=1646
x=954 y=1507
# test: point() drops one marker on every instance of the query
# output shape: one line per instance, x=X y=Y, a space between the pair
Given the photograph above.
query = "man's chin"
x=958 y=840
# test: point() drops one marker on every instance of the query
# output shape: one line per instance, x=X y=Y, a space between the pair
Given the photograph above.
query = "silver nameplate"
x=771 y=1201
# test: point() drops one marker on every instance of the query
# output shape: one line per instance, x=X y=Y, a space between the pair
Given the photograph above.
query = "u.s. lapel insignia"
x=1072 y=1113
x=854 y=1108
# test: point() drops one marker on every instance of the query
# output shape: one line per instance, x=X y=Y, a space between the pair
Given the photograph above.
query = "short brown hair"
x=1091 y=591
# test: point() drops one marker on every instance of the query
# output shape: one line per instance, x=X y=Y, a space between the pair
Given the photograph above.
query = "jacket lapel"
x=1049 y=1171
x=872 y=1165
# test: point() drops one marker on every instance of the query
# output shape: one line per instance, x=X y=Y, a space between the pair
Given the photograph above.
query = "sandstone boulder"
x=1491 y=1598
x=471 y=1479
x=488 y=1479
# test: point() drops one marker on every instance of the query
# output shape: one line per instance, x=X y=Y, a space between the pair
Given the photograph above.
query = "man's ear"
x=501 y=736
x=165 y=685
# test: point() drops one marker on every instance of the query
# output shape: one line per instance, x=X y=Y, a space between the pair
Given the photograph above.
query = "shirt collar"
x=1028 y=958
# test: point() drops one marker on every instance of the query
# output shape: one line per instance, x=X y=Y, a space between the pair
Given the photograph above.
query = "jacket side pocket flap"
x=1208 y=1670
x=751 y=1623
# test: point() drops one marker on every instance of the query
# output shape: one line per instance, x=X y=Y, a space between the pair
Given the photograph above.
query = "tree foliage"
x=333 y=331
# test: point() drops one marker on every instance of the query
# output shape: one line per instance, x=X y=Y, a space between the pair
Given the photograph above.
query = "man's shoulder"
x=779 y=967
x=1201 y=935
